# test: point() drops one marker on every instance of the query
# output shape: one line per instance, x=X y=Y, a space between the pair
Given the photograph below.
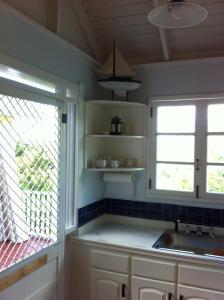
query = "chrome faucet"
x=187 y=229
x=176 y=225
x=199 y=230
x=211 y=232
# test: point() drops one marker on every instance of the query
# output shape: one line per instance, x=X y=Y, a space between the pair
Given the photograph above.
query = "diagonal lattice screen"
x=29 y=178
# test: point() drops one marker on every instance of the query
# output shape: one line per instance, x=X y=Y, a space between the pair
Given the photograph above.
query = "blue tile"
x=136 y=213
x=217 y=222
x=217 y=213
x=207 y=211
x=208 y=221
x=148 y=210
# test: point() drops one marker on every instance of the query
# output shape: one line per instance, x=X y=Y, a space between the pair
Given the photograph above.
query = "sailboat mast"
x=114 y=63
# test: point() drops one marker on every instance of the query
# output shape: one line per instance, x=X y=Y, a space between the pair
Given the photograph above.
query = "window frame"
x=201 y=102
x=66 y=93
x=11 y=91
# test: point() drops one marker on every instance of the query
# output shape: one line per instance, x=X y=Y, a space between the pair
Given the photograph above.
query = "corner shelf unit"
x=99 y=143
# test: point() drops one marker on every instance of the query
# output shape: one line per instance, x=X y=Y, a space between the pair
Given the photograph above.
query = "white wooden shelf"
x=115 y=136
x=130 y=146
x=120 y=169
x=116 y=103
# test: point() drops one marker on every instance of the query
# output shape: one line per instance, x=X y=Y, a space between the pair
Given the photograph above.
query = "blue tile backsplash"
x=154 y=211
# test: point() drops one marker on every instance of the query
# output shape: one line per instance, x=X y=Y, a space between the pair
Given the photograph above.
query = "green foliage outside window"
x=35 y=167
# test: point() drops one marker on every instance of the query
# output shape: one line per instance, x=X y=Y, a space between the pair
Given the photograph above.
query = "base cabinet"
x=192 y=293
x=105 y=285
x=147 y=289
x=120 y=275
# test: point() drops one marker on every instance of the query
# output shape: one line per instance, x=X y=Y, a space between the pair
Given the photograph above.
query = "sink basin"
x=191 y=243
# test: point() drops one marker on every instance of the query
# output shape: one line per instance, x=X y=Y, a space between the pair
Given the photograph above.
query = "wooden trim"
x=52 y=13
x=86 y=28
x=10 y=279
x=47 y=32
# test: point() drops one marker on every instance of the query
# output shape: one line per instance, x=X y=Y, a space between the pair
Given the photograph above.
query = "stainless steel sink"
x=191 y=243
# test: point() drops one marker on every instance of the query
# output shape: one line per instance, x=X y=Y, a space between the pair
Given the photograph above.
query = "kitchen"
x=119 y=223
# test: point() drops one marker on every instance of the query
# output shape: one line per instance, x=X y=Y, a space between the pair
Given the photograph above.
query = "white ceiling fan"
x=177 y=14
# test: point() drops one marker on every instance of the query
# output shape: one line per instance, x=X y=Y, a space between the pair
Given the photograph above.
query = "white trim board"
x=62 y=86
x=187 y=97
x=45 y=31
x=180 y=62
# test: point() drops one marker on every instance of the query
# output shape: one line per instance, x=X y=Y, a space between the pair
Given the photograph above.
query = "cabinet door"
x=107 y=285
x=192 y=293
x=148 y=289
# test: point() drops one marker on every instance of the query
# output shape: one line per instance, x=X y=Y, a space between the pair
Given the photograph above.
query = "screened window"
x=29 y=177
x=187 y=149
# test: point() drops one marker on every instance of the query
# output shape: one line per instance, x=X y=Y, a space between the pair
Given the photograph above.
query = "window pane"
x=175 y=177
x=29 y=178
x=215 y=179
x=215 y=149
x=176 y=119
x=175 y=148
x=215 y=118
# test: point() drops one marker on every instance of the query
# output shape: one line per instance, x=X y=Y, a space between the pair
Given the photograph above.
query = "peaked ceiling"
x=141 y=42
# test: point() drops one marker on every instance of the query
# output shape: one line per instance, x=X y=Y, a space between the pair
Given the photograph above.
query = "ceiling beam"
x=52 y=13
x=163 y=37
x=84 y=23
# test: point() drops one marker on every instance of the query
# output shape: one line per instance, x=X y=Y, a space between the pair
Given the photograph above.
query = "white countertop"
x=136 y=237
x=123 y=235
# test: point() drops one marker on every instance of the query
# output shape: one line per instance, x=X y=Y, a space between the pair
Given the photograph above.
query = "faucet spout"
x=177 y=225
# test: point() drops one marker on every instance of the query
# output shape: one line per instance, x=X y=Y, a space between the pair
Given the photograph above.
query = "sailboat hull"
x=119 y=84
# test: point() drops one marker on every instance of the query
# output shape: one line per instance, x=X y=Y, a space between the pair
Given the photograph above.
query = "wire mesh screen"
x=29 y=178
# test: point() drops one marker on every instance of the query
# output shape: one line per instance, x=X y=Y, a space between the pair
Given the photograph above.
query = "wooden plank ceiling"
x=141 y=42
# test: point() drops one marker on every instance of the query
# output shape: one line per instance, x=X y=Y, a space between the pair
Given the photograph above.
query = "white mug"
x=115 y=163
x=101 y=163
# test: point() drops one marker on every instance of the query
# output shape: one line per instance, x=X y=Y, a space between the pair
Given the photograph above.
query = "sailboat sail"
x=122 y=69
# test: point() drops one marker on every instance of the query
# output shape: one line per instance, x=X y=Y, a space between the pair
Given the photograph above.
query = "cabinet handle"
x=123 y=290
x=170 y=296
x=197 y=164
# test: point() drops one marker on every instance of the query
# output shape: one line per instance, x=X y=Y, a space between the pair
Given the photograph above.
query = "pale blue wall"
x=26 y=42
x=22 y=40
x=199 y=76
x=193 y=77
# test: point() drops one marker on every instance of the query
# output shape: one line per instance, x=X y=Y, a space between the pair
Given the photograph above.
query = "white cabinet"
x=201 y=276
x=147 y=289
x=130 y=146
x=124 y=275
x=157 y=269
x=105 y=285
x=192 y=293
x=197 y=282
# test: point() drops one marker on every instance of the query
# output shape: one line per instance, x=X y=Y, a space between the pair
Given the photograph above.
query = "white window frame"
x=66 y=94
x=201 y=102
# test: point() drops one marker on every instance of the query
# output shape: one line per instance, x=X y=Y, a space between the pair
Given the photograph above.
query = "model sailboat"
x=120 y=74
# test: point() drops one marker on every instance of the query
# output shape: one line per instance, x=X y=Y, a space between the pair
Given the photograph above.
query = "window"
x=38 y=153
x=187 y=149
x=215 y=149
x=29 y=177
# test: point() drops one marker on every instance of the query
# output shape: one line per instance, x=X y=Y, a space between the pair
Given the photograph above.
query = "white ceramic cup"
x=115 y=163
x=101 y=163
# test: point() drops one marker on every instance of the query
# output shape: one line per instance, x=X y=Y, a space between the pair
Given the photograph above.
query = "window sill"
x=51 y=251
x=11 y=253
